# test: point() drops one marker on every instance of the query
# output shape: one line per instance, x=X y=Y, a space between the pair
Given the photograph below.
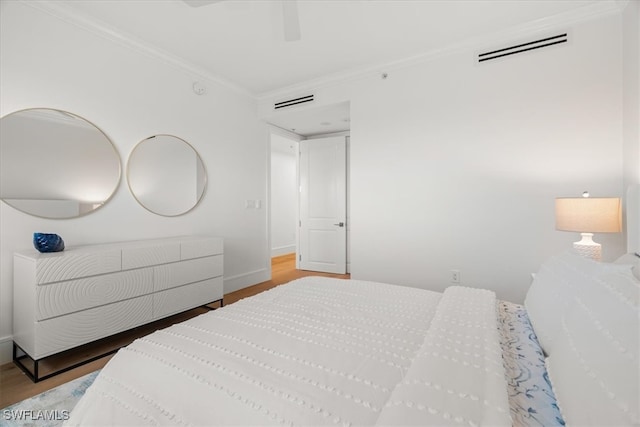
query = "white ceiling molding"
x=593 y=11
x=277 y=130
x=119 y=36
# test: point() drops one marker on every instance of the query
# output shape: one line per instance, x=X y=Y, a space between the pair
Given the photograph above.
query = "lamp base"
x=588 y=248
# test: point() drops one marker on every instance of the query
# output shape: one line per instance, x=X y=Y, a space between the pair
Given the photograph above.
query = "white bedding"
x=316 y=351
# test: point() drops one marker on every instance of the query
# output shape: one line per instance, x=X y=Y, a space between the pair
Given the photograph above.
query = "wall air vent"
x=292 y=102
x=524 y=47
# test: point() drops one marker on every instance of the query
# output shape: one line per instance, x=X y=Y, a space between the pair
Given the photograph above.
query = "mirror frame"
x=113 y=147
x=204 y=187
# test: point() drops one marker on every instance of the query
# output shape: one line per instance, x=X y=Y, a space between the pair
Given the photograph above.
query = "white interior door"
x=323 y=205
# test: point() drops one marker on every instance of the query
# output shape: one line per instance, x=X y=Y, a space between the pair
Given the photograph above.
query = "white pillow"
x=631 y=260
x=553 y=291
x=594 y=367
x=624 y=284
x=557 y=283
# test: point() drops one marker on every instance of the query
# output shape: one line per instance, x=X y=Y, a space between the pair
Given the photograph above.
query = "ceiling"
x=242 y=43
x=314 y=121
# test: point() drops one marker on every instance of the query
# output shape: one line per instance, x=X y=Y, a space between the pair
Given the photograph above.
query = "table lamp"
x=588 y=215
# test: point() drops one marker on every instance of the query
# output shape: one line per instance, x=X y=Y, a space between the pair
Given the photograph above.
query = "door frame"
x=274 y=130
x=271 y=129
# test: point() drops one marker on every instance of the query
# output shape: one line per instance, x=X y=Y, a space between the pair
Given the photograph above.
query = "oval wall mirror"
x=166 y=175
x=55 y=164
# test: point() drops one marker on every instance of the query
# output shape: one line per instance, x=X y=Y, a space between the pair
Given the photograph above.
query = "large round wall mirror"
x=54 y=164
x=166 y=175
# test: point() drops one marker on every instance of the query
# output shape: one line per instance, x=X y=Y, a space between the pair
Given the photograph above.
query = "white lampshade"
x=589 y=214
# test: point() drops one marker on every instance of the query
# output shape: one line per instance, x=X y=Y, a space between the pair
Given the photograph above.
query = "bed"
x=321 y=351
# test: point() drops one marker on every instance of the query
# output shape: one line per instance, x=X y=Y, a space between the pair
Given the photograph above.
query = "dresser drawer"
x=150 y=254
x=180 y=273
x=73 y=264
x=183 y=298
x=60 y=298
x=200 y=247
x=64 y=332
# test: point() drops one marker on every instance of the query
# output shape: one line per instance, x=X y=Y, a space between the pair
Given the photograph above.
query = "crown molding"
x=106 y=31
x=277 y=130
x=572 y=17
x=121 y=37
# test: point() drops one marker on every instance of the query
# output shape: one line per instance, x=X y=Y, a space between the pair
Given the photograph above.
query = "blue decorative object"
x=48 y=242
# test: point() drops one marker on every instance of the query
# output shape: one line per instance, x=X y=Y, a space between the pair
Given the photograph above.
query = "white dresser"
x=65 y=299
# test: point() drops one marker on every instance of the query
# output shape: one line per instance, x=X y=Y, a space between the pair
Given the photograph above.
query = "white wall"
x=284 y=197
x=456 y=165
x=631 y=110
x=46 y=62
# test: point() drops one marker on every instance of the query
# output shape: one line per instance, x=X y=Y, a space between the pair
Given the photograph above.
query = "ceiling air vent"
x=291 y=102
x=524 y=47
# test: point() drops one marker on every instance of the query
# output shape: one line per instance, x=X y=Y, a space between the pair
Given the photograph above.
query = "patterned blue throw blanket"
x=531 y=398
x=48 y=409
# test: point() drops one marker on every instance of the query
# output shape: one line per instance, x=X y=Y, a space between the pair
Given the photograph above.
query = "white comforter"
x=316 y=351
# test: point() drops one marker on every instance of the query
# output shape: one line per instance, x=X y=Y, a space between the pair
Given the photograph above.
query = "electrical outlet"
x=455 y=276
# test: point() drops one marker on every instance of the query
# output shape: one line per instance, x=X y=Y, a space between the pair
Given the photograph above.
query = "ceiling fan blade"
x=291 y=20
x=198 y=3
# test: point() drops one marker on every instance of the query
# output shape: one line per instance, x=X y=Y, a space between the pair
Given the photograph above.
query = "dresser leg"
x=35 y=375
x=18 y=360
x=221 y=301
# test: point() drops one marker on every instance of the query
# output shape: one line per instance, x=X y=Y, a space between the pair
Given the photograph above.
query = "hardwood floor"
x=16 y=386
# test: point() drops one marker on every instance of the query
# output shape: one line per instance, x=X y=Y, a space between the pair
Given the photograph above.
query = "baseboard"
x=283 y=250
x=6 y=349
x=241 y=281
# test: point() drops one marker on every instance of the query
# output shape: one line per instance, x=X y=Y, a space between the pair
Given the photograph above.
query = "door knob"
x=340 y=224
